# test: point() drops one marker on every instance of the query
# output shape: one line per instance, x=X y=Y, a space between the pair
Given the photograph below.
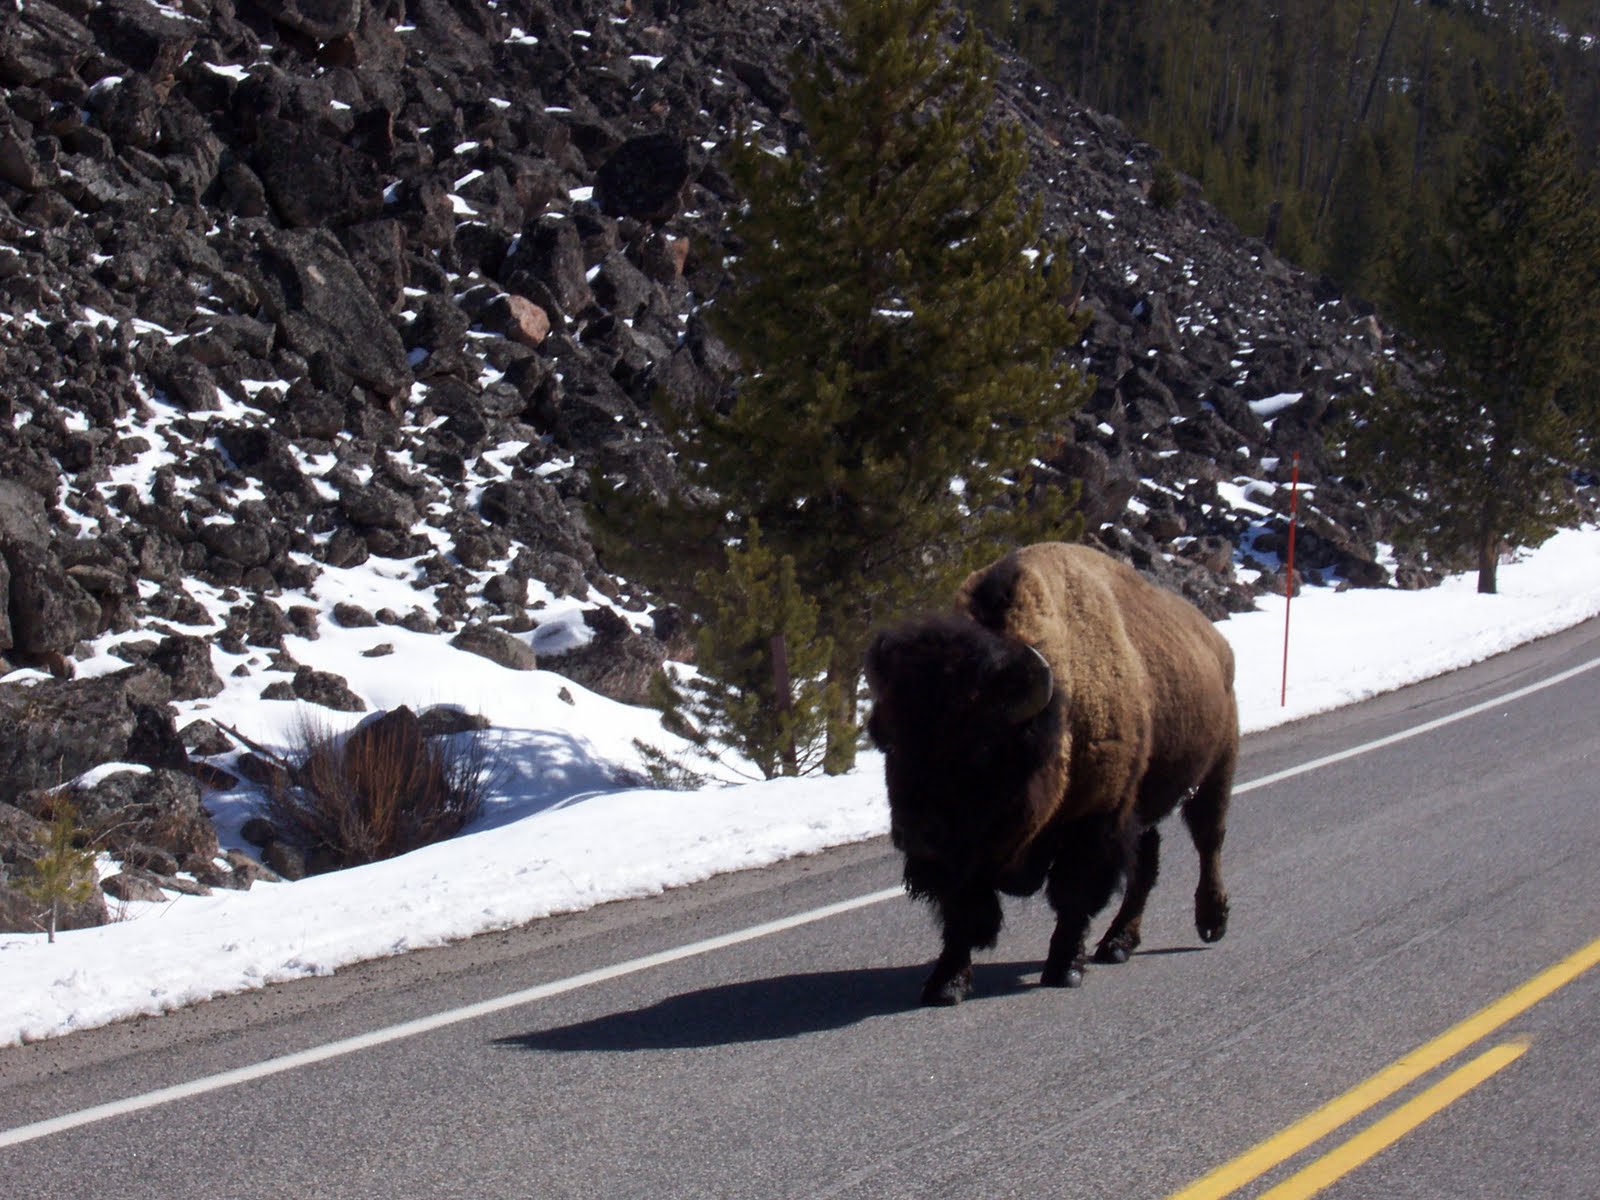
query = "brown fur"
x=1143 y=716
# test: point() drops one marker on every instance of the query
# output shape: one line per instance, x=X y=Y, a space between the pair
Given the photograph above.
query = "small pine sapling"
x=65 y=873
x=761 y=687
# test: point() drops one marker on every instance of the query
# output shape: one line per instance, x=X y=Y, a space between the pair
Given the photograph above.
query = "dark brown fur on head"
x=957 y=757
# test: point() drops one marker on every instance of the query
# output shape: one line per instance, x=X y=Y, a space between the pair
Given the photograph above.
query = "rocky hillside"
x=287 y=286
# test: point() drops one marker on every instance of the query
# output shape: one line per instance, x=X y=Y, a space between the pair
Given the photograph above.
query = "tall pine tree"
x=903 y=325
x=1501 y=288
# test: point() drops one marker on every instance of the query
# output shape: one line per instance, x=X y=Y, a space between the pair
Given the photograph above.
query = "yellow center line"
x=1313 y=1127
x=1381 y=1134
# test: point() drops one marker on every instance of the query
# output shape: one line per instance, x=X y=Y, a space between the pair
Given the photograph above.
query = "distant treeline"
x=1320 y=125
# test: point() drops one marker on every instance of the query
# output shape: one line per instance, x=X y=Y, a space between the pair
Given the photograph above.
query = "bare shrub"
x=382 y=790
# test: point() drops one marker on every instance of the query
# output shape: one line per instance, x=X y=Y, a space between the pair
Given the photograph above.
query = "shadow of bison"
x=1037 y=736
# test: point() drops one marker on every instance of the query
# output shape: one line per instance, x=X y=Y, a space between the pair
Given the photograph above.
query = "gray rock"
x=54 y=731
x=132 y=885
x=186 y=661
x=497 y=646
x=321 y=306
x=619 y=662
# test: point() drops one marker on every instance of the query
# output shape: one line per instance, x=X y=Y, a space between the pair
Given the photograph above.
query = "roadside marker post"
x=1288 y=577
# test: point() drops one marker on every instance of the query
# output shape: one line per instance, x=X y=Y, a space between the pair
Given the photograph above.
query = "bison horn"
x=1036 y=686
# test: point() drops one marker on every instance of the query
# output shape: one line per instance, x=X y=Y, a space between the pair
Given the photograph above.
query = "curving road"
x=1405 y=1006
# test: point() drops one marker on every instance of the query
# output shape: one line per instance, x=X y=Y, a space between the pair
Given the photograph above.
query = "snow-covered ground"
x=567 y=828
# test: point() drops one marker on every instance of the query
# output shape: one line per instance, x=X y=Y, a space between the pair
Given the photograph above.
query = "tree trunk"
x=788 y=751
x=1421 y=141
x=840 y=753
x=1488 y=562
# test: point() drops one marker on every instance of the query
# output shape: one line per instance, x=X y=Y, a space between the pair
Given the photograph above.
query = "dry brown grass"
x=380 y=791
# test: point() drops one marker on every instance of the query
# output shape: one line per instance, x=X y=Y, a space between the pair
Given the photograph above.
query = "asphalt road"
x=1379 y=902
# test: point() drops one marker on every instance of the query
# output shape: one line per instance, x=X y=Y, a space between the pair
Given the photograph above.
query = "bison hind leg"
x=1122 y=938
x=1206 y=815
x=1210 y=915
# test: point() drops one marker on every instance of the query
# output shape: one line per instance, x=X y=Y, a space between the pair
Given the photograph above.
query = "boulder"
x=644 y=178
x=618 y=661
x=53 y=731
x=497 y=646
x=321 y=306
x=186 y=662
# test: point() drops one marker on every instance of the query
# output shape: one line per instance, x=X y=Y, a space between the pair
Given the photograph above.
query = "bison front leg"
x=1090 y=863
x=970 y=917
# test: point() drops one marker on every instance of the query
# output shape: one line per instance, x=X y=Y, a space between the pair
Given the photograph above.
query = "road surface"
x=1403 y=1007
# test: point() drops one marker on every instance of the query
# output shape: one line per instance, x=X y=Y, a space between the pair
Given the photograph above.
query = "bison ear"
x=1027 y=685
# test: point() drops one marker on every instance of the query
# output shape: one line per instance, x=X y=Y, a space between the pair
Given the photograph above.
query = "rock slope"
x=286 y=287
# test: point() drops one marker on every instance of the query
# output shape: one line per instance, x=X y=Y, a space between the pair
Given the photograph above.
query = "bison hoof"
x=940 y=992
x=1112 y=951
x=1211 y=917
x=1070 y=976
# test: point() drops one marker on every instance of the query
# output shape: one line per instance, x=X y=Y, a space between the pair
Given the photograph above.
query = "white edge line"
x=543 y=991
x=406 y=1029
x=1416 y=730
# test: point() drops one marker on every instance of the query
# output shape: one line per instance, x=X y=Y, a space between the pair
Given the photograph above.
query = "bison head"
x=964 y=717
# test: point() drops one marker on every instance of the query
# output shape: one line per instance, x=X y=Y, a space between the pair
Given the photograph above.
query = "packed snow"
x=569 y=825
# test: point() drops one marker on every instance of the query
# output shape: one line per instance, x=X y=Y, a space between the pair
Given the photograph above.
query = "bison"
x=1037 y=736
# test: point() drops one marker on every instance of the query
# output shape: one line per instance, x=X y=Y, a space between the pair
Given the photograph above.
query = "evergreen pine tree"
x=64 y=873
x=759 y=687
x=1501 y=287
x=904 y=329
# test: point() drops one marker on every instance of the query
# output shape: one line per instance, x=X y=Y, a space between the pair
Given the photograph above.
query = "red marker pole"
x=1288 y=577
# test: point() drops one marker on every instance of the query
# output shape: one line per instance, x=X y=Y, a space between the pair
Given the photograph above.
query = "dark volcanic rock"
x=51 y=732
x=618 y=661
x=322 y=306
x=644 y=178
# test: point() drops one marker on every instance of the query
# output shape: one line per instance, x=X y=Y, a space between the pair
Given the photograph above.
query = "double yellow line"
x=1349 y=1155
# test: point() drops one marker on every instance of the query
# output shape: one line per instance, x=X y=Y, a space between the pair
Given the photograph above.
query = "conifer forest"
x=1319 y=125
